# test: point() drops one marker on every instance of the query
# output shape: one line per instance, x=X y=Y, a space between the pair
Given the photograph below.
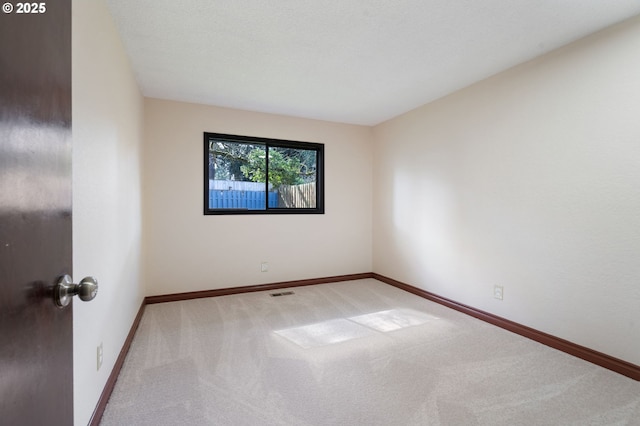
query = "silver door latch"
x=65 y=289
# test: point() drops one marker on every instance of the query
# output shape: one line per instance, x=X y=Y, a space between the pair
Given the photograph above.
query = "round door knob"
x=65 y=289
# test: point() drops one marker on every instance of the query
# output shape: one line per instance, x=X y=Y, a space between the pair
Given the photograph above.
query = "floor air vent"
x=283 y=293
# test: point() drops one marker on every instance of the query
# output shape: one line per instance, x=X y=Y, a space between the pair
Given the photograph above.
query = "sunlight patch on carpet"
x=325 y=333
x=341 y=330
x=393 y=319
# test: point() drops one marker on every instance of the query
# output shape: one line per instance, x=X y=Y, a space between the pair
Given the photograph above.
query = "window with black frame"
x=250 y=175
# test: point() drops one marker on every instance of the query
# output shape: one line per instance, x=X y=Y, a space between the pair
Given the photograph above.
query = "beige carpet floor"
x=352 y=353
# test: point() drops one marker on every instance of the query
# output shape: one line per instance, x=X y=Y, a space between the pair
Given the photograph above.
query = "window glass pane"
x=253 y=175
x=293 y=175
x=237 y=173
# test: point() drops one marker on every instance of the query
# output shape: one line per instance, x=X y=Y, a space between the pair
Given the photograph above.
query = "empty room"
x=321 y=213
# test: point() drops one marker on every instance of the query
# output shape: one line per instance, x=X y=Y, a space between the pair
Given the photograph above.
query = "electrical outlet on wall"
x=99 y=357
x=498 y=292
x=264 y=267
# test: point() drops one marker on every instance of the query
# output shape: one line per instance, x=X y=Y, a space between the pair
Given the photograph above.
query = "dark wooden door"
x=36 y=355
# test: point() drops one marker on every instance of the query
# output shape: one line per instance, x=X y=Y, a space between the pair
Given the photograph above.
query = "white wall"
x=529 y=180
x=187 y=251
x=107 y=134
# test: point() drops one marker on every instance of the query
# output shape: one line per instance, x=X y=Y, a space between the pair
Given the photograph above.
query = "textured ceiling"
x=351 y=61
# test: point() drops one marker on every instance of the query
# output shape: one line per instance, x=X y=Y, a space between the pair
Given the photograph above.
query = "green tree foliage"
x=247 y=162
x=226 y=159
x=283 y=169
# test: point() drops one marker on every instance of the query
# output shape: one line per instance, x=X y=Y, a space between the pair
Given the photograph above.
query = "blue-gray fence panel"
x=250 y=200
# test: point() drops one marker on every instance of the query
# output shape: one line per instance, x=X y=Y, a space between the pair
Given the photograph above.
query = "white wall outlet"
x=498 y=292
x=264 y=267
x=99 y=357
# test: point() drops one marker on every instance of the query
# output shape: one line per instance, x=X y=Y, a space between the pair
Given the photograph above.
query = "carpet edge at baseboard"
x=249 y=289
x=603 y=360
x=96 y=417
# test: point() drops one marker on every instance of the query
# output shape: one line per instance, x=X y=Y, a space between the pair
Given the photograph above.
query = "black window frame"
x=268 y=143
